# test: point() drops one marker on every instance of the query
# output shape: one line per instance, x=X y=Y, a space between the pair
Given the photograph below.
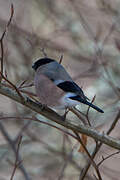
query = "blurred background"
x=87 y=34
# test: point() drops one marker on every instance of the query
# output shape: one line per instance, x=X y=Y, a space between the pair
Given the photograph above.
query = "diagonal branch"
x=98 y=146
x=90 y=157
x=17 y=162
x=52 y=115
x=13 y=147
x=107 y=157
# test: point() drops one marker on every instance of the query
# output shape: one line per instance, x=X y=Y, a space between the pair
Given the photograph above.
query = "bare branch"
x=43 y=51
x=83 y=22
x=87 y=117
x=22 y=83
x=61 y=58
x=2 y=37
x=90 y=157
x=17 y=90
x=12 y=145
x=17 y=162
x=98 y=146
x=107 y=157
x=37 y=120
x=52 y=115
x=77 y=113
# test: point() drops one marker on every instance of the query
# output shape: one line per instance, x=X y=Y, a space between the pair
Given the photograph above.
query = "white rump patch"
x=69 y=102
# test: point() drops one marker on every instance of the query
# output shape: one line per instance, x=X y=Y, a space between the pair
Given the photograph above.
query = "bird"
x=56 y=88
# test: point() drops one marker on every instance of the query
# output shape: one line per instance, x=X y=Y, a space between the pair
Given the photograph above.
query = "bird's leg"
x=42 y=106
x=65 y=114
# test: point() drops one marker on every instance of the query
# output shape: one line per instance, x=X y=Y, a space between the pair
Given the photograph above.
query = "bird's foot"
x=65 y=114
x=42 y=106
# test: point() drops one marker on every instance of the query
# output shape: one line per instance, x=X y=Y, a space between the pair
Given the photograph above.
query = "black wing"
x=70 y=86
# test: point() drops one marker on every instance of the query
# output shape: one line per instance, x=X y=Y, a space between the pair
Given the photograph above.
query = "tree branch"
x=52 y=115
x=17 y=162
x=90 y=157
x=12 y=145
x=98 y=146
x=2 y=37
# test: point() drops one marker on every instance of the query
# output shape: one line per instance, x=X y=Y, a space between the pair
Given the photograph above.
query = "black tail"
x=78 y=98
x=93 y=106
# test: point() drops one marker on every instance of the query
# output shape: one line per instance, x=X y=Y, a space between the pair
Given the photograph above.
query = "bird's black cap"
x=41 y=62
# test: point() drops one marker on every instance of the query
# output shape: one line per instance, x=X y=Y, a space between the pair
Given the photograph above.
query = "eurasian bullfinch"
x=55 y=88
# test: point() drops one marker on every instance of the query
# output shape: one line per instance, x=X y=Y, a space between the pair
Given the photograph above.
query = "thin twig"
x=84 y=137
x=99 y=52
x=20 y=89
x=37 y=120
x=25 y=126
x=90 y=157
x=83 y=21
x=43 y=51
x=2 y=37
x=17 y=162
x=68 y=159
x=62 y=130
x=98 y=146
x=77 y=113
x=2 y=53
x=87 y=114
x=114 y=123
x=22 y=83
x=34 y=138
x=12 y=145
x=110 y=31
x=61 y=58
x=26 y=86
x=18 y=92
x=107 y=157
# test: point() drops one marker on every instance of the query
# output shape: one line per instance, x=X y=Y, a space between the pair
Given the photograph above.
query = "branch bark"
x=53 y=116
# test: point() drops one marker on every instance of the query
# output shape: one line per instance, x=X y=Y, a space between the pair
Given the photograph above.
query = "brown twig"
x=12 y=145
x=84 y=137
x=61 y=58
x=22 y=83
x=26 y=86
x=17 y=162
x=67 y=160
x=107 y=157
x=17 y=90
x=21 y=89
x=37 y=120
x=83 y=21
x=2 y=37
x=34 y=137
x=66 y=132
x=98 y=146
x=87 y=113
x=43 y=51
x=99 y=55
x=110 y=31
x=77 y=113
x=2 y=53
x=24 y=128
x=90 y=157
